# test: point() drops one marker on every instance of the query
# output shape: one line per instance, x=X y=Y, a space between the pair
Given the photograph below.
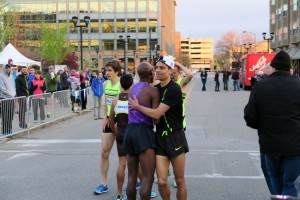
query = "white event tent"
x=10 y=52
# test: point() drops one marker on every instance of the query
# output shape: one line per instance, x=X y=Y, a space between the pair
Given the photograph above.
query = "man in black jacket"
x=274 y=110
x=22 y=91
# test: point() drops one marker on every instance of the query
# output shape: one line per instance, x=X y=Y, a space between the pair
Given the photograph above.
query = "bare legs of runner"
x=107 y=143
x=147 y=162
x=162 y=168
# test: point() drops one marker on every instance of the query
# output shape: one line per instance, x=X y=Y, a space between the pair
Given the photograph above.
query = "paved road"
x=63 y=163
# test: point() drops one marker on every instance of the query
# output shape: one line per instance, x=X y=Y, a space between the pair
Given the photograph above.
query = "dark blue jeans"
x=203 y=84
x=283 y=170
x=266 y=172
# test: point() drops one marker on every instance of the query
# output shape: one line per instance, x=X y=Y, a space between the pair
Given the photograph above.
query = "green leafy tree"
x=53 y=44
x=7 y=20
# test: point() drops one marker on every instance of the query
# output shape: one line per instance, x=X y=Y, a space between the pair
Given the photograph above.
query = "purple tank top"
x=135 y=116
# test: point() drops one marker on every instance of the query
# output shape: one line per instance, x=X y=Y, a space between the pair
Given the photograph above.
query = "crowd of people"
x=18 y=83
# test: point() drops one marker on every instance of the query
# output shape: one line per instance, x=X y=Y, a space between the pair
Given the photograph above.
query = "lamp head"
x=272 y=35
x=86 y=20
x=264 y=34
x=121 y=37
x=128 y=37
x=75 y=20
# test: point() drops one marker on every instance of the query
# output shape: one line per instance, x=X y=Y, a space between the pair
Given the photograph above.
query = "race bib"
x=109 y=100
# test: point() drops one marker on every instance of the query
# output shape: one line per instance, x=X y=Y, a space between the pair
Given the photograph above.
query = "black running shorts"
x=138 y=138
x=119 y=140
x=171 y=144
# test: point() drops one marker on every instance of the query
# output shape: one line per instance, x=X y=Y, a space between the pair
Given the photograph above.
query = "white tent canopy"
x=10 y=52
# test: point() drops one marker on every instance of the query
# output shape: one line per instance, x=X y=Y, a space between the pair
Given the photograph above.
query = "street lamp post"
x=264 y=34
x=150 y=49
x=254 y=38
x=97 y=51
x=86 y=21
x=125 y=41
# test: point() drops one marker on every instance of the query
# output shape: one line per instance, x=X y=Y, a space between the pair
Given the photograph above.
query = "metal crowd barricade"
x=21 y=114
x=13 y=112
x=39 y=107
x=62 y=106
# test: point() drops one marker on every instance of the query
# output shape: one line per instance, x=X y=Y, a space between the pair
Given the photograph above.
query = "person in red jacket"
x=38 y=86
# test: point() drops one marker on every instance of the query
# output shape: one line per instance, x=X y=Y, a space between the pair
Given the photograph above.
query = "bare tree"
x=231 y=46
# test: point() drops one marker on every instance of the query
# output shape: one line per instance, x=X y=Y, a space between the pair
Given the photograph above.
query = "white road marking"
x=226 y=151
x=22 y=155
x=220 y=176
x=63 y=141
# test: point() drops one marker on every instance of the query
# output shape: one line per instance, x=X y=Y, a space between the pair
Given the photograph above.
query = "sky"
x=212 y=18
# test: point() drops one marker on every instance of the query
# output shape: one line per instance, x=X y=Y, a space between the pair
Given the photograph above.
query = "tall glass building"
x=147 y=22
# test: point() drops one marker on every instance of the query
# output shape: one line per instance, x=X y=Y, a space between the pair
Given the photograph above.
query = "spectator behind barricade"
x=58 y=85
x=31 y=76
x=38 y=86
x=22 y=91
x=75 y=87
x=7 y=91
x=104 y=73
x=88 y=74
x=93 y=75
x=84 y=83
x=14 y=73
x=97 y=87
x=64 y=79
x=51 y=80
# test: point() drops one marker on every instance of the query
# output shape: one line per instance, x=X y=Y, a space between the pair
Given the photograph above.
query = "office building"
x=145 y=21
x=284 y=23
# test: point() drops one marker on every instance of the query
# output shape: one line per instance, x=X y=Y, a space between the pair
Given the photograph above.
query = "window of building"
x=107 y=25
x=62 y=6
x=152 y=25
x=153 y=43
x=107 y=7
x=107 y=45
x=295 y=5
x=273 y=2
x=153 y=6
x=285 y=10
x=120 y=25
x=142 y=6
x=94 y=6
x=142 y=44
x=120 y=6
x=94 y=24
x=273 y=18
x=94 y=44
x=142 y=24
x=131 y=23
x=83 y=6
x=295 y=28
x=120 y=45
x=72 y=6
x=132 y=44
x=131 y=6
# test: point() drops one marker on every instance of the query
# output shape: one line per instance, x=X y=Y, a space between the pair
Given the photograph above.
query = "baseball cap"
x=51 y=67
x=167 y=60
x=10 y=62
